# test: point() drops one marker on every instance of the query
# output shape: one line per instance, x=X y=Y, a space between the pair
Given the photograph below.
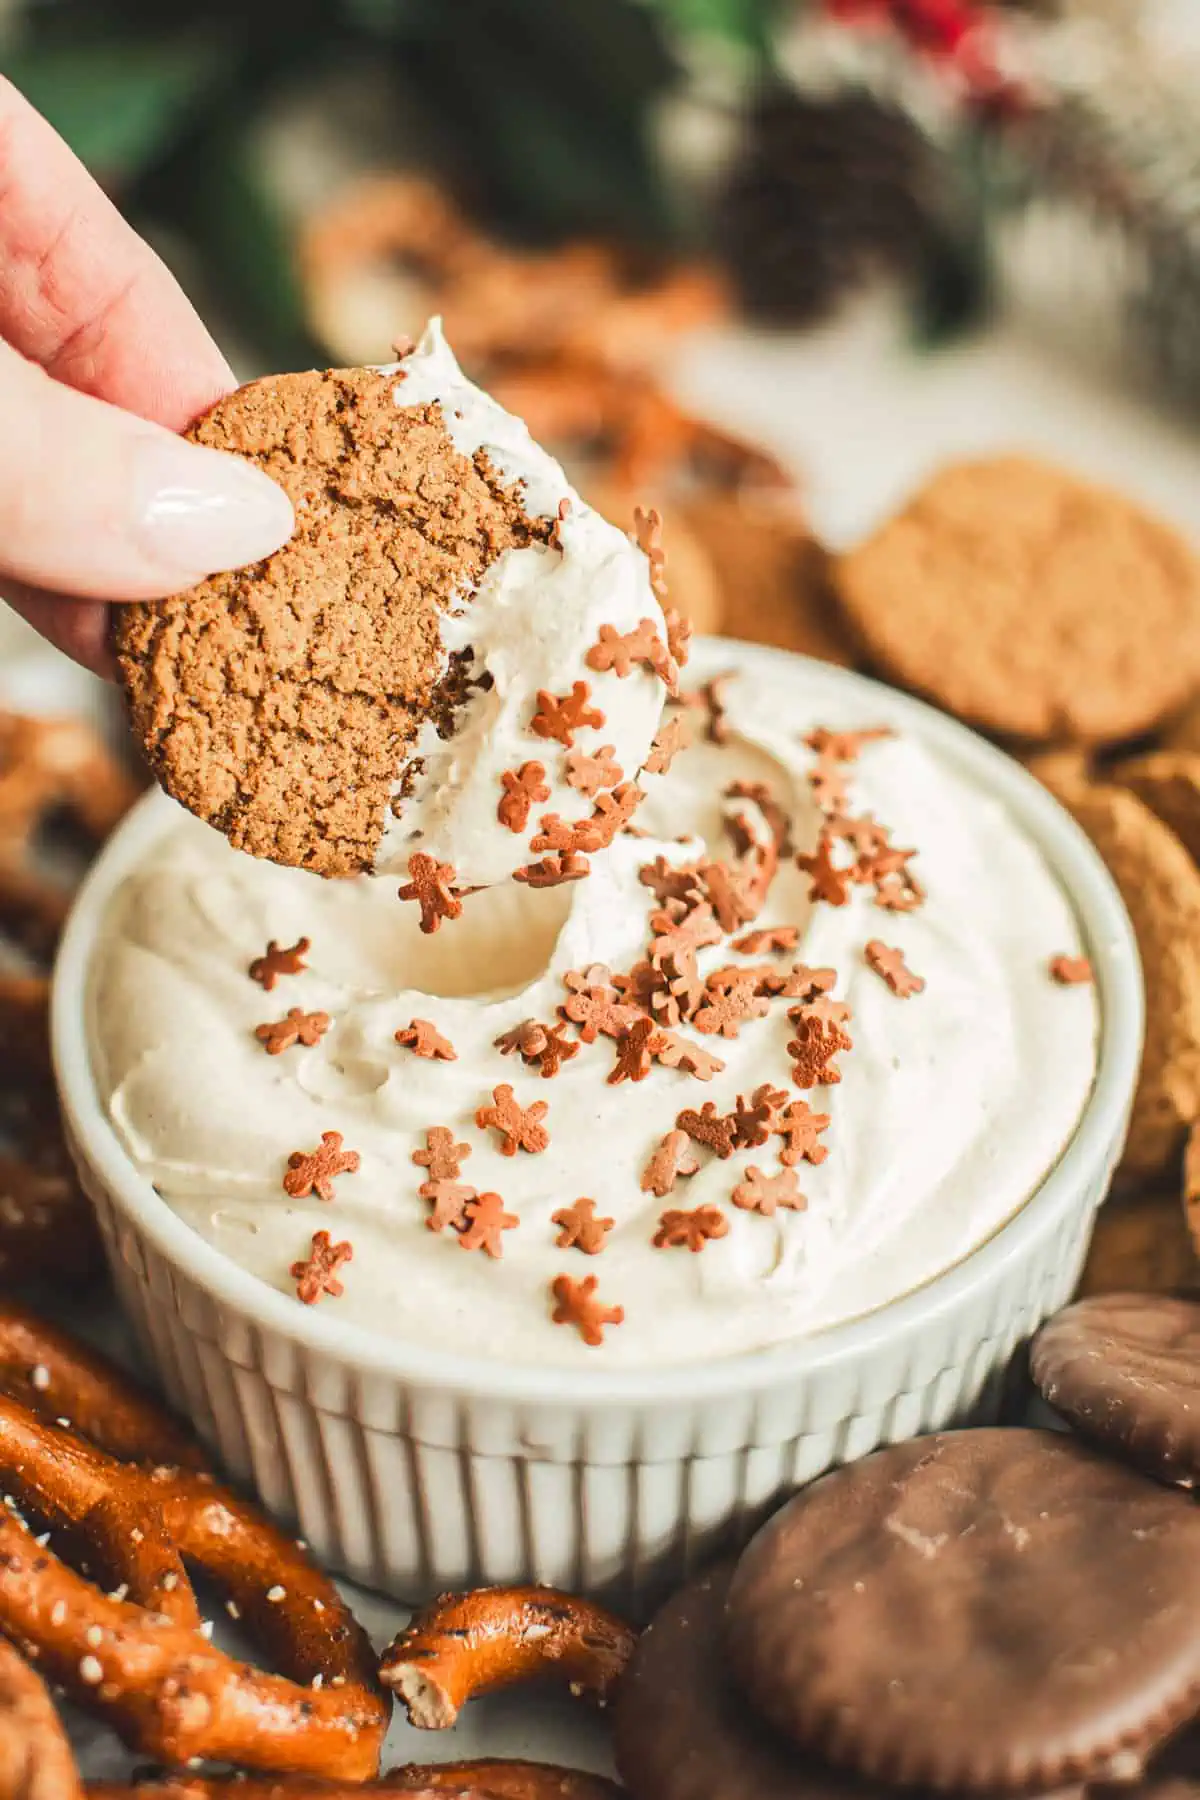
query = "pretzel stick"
x=60 y=1378
x=35 y=1758
x=468 y=1644
x=167 y=1691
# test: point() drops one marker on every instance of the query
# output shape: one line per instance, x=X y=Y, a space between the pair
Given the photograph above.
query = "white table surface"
x=862 y=417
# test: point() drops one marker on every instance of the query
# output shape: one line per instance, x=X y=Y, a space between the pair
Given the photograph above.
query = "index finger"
x=82 y=294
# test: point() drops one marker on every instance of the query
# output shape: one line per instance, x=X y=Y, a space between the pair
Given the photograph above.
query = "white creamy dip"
x=953 y=1104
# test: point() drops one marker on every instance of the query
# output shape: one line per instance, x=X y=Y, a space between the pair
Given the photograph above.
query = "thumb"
x=98 y=503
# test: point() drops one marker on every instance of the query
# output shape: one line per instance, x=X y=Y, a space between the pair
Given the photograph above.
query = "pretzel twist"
x=35 y=1758
x=474 y=1643
x=139 y=1660
x=485 y=1780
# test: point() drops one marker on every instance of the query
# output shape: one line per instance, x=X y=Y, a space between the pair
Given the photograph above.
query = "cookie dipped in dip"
x=795 y=1047
x=413 y=672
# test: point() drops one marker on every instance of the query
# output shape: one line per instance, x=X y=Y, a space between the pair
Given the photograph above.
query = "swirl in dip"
x=952 y=1103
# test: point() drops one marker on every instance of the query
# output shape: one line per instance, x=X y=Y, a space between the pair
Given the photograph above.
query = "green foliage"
x=120 y=101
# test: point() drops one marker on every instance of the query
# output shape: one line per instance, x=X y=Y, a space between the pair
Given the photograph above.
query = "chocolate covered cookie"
x=980 y=1610
x=683 y=1729
x=1125 y=1370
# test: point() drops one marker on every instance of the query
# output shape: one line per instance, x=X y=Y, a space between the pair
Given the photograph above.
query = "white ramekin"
x=414 y=1471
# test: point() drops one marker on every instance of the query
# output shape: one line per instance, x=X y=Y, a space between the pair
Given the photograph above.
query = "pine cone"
x=825 y=193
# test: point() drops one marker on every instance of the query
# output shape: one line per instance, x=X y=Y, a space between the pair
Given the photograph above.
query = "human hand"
x=102 y=361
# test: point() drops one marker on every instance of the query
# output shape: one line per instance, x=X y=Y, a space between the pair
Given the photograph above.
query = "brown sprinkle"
x=441 y=1156
x=267 y=969
x=591 y=773
x=486 y=1220
x=679 y=635
x=624 y=651
x=448 y=1200
x=672 y=1161
x=827 y=882
x=522 y=789
x=552 y=871
x=771 y=937
x=647 y=533
x=671 y=738
x=431 y=885
x=314 y=1171
x=317 y=1275
x=690 y=1230
x=717 y=1131
x=575 y=1303
x=813 y=1049
x=800 y=1128
x=298 y=1028
x=424 y=1039
x=844 y=746
x=545 y=1047
x=580 y=1229
x=520 y=1127
x=890 y=965
x=1071 y=971
x=763 y=1193
x=561 y=716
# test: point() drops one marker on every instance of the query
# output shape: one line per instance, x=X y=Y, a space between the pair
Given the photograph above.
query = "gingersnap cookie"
x=1125 y=1370
x=684 y=1731
x=1141 y=1245
x=997 y=1609
x=1030 y=602
x=448 y=622
x=774 y=575
x=1160 y=885
x=1168 y=782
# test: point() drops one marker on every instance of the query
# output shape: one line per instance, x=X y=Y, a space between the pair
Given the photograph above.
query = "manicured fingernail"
x=197 y=510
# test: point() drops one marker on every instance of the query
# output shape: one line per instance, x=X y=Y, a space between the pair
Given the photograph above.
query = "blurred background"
x=761 y=261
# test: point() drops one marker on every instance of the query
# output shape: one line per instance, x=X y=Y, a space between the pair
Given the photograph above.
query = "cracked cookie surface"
x=279 y=702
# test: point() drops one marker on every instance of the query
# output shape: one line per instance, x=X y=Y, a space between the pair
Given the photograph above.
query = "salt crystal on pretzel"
x=167 y=1691
x=473 y=1643
x=35 y=1758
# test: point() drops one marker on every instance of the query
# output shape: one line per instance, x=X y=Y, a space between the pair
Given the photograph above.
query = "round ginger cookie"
x=446 y=622
x=774 y=575
x=1030 y=602
x=993 y=1609
x=683 y=1730
x=1124 y=1369
x=1160 y=885
x=1168 y=782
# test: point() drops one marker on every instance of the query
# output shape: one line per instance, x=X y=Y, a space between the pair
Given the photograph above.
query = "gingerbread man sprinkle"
x=672 y=737
x=560 y=716
x=314 y=1171
x=1071 y=971
x=486 y=1219
x=591 y=773
x=690 y=1230
x=763 y=1193
x=709 y=1127
x=672 y=1161
x=827 y=882
x=580 y=1229
x=298 y=1028
x=267 y=969
x=431 y=885
x=523 y=788
x=441 y=1156
x=575 y=1303
x=520 y=1127
x=317 y=1274
x=424 y=1039
x=890 y=965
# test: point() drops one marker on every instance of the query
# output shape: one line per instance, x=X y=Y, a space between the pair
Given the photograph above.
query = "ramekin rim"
x=1110 y=943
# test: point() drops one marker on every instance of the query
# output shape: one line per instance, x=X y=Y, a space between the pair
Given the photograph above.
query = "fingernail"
x=198 y=511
